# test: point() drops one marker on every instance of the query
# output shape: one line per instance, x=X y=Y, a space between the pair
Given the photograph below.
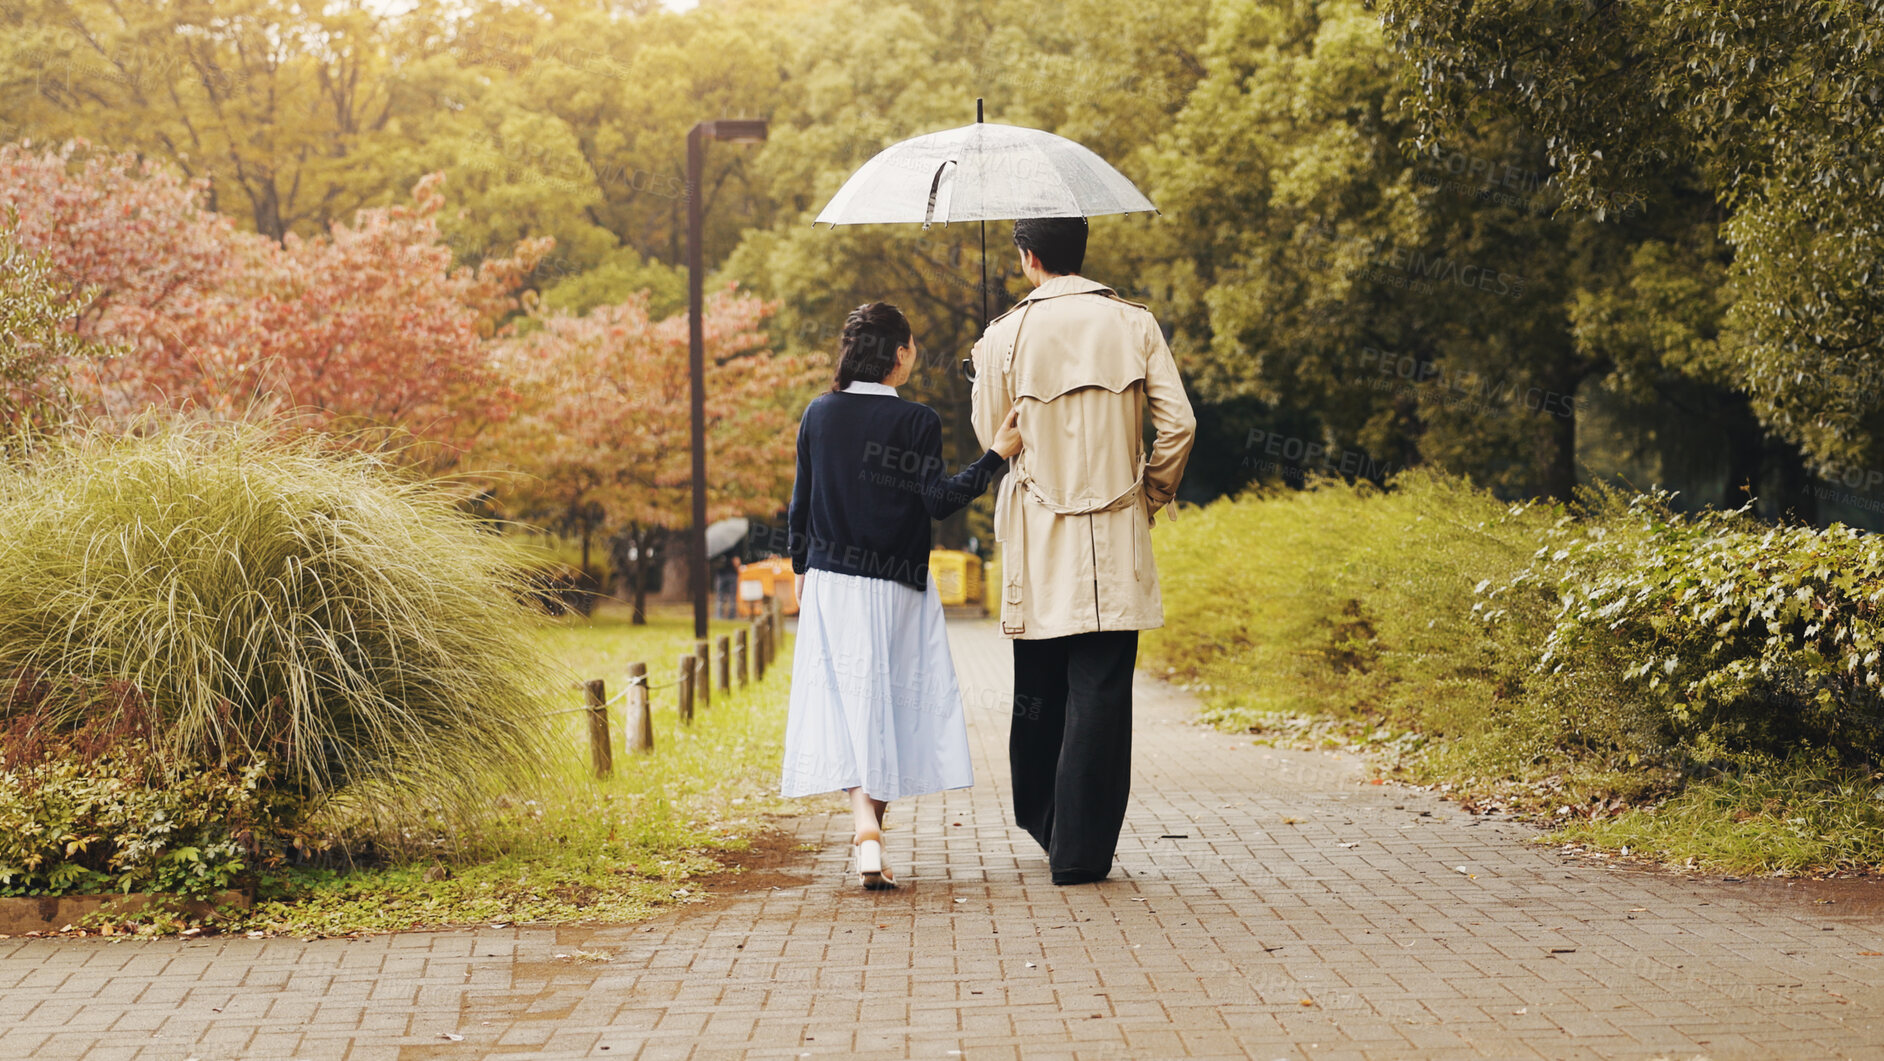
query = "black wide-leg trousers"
x=1070 y=748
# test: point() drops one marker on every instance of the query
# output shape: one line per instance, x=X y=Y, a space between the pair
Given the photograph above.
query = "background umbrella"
x=725 y=535
x=982 y=172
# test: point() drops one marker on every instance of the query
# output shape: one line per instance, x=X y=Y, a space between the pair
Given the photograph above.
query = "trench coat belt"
x=1014 y=561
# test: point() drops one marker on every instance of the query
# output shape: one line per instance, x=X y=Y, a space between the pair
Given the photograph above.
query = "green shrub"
x=1357 y=602
x=124 y=821
x=1742 y=636
x=244 y=598
x=1607 y=651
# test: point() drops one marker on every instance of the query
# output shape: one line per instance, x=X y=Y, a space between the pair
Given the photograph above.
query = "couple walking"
x=1061 y=385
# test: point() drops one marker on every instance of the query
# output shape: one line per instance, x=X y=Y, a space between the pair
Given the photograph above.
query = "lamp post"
x=735 y=132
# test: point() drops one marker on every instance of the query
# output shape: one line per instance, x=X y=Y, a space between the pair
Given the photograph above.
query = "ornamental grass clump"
x=234 y=597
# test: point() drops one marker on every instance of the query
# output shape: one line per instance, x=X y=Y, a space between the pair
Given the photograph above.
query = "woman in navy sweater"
x=875 y=710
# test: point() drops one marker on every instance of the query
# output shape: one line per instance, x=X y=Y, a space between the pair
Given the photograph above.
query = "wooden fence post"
x=758 y=650
x=639 y=717
x=739 y=650
x=601 y=756
x=723 y=676
x=703 y=673
x=684 y=683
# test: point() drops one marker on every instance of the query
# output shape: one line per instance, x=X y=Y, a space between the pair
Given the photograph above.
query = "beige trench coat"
x=1074 y=513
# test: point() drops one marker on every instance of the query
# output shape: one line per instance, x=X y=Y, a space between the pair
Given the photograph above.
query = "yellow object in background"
x=771 y=577
x=957 y=576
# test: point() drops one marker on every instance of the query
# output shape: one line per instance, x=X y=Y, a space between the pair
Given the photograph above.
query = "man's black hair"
x=1059 y=242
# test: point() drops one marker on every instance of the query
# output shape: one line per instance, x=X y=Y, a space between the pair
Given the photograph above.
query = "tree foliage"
x=370 y=325
x=602 y=433
x=1774 y=103
x=1392 y=307
x=37 y=347
x=1392 y=234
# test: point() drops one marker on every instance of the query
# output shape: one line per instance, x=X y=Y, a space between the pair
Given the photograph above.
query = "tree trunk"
x=632 y=549
x=1745 y=446
x=1790 y=484
x=1560 y=439
x=643 y=539
x=674 y=583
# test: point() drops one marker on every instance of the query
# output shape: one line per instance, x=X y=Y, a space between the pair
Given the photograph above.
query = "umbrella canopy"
x=982 y=172
x=725 y=535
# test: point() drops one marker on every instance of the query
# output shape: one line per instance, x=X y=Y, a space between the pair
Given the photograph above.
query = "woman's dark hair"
x=873 y=333
x=1059 y=242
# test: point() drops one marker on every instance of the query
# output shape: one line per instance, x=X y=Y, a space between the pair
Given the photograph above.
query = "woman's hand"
x=1007 y=440
x=798 y=587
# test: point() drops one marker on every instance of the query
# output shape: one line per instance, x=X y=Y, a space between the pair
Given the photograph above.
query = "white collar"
x=860 y=387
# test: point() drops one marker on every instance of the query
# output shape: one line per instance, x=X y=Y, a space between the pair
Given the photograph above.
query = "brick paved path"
x=1269 y=905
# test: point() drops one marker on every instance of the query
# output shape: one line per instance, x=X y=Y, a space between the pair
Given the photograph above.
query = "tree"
x=1774 y=103
x=1374 y=307
x=37 y=347
x=297 y=117
x=864 y=76
x=270 y=102
x=141 y=263
x=369 y=325
x=601 y=435
x=372 y=325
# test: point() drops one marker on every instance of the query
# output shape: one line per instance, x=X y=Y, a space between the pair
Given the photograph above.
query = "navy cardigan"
x=870 y=480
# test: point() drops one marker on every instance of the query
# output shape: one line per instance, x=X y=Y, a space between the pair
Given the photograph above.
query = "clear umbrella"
x=725 y=535
x=982 y=172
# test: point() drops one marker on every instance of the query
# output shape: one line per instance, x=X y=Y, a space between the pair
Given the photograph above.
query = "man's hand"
x=1007 y=439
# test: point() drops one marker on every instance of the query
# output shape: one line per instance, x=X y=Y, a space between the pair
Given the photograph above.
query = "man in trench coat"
x=1074 y=517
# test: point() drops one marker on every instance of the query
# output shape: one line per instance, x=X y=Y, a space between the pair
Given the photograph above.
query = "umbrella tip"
x=977 y=109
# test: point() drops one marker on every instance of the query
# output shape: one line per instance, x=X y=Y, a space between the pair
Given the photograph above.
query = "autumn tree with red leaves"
x=369 y=326
x=601 y=435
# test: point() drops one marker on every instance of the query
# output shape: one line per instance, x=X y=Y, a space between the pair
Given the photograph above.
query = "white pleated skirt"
x=874 y=700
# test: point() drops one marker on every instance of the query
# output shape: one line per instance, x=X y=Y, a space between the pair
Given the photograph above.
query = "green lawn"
x=582 y=849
